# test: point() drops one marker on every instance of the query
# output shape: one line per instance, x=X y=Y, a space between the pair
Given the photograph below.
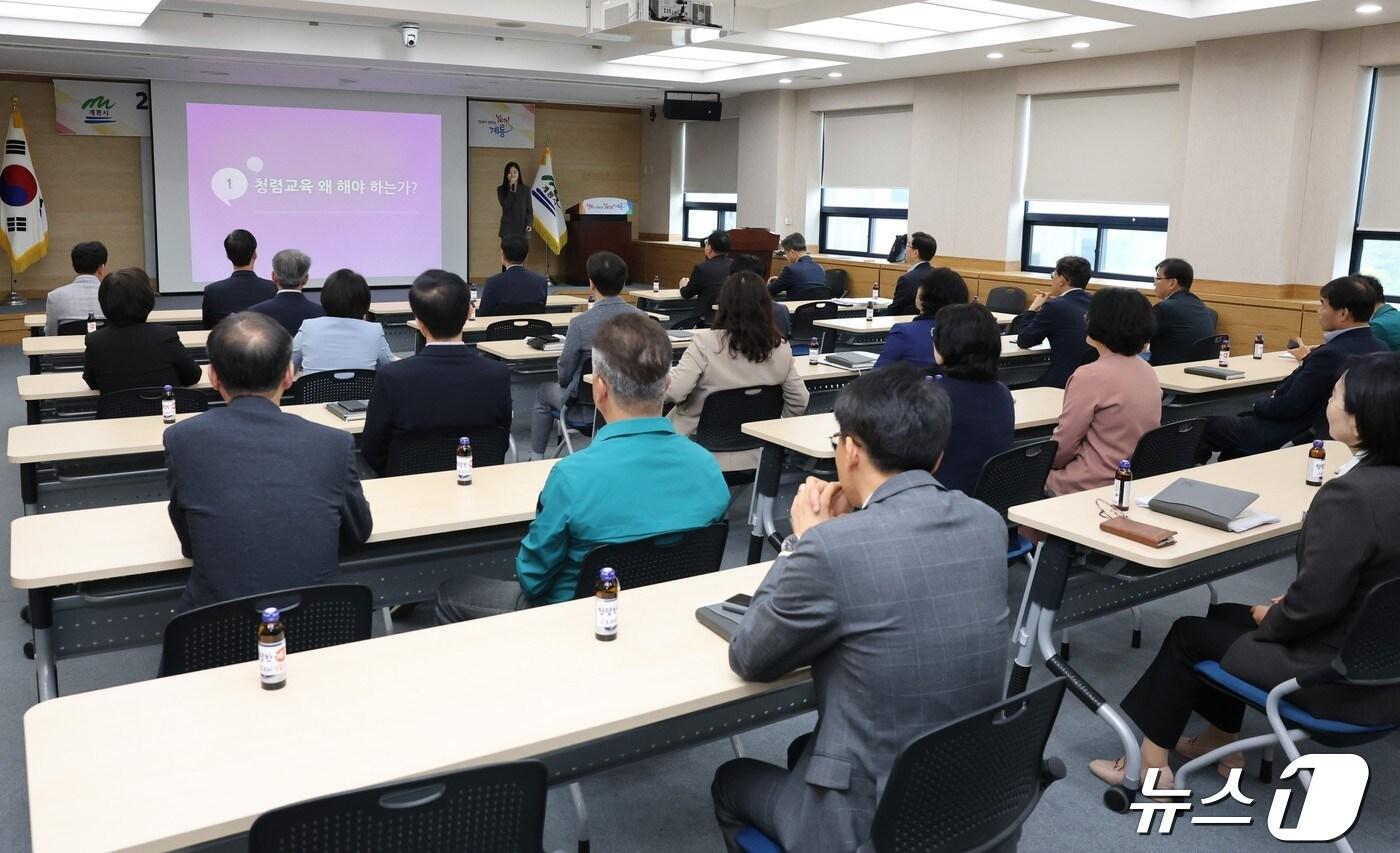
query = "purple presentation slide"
x=351 y=189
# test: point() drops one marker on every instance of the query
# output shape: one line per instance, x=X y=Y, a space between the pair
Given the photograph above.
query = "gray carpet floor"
x=664 y=804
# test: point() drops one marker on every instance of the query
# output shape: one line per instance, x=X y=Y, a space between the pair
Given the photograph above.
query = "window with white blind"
x=1099 y=173
x=711 y=178
x=865 y=180
x=1375 y=246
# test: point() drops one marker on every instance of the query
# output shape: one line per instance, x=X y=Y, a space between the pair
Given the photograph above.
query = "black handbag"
x=901 y=245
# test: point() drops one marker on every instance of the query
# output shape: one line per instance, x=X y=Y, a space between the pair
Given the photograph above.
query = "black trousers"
x=745 y=791
x=1244 y=435
x=1162 y=700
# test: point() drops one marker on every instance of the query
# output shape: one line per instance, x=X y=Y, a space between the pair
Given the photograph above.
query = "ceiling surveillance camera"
x=410 y=34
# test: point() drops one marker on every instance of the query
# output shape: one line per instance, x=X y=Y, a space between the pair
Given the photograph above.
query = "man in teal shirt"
x=1385 y=320
x=639 y=478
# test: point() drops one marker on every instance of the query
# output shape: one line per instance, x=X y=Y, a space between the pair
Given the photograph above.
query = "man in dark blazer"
x=261 y=500
x=289 y=306
x=899 y=609
x=446 y=389
x=802 y=278
x=1296 y=409
x=1060 y=317
x=922 y=247
x=514 y=290
x=1182 y=319
x=244 y=288
x=708 y=276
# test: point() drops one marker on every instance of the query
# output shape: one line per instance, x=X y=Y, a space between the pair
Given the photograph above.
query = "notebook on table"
x=680 y=334
x=1216 y=372
x=1204 y=503
x=349 y=410
x=725 y=617
x=553 y=343
x=852 y=360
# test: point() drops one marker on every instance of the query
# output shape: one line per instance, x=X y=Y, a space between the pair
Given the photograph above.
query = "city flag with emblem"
x=25 y=237
x=548 y=212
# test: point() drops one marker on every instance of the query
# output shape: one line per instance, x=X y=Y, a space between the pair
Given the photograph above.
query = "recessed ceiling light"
x=1368 y=8
x=996 y=54
x=510 y=25
x=1080 y=45
x=784 y=80
x=833 y=74
x=938 y=19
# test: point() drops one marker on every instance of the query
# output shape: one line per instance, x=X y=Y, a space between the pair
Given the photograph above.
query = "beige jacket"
x=708 y=366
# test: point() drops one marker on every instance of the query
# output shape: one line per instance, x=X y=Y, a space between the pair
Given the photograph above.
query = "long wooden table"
x=37 y=349
x=167 y=763
x=1131 y=574
x=1188 y=395
x=883 y=323
x=519 y=351
x=553 y=303
x=169 y=316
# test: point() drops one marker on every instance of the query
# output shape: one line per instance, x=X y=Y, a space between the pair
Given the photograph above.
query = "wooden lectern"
x=596 y=225
x=759 y=242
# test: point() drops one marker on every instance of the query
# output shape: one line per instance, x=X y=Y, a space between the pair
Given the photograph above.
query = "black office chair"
x=805 y=315
x=1168 y=448
x=1090 y=356
x=498 y=808
x=968 y=785
x=519 y=330
x=838 y=282
x=1006 y=300
x=1016 y=477
x=140 y=402
x=1205 y=349
x=695 y=321
x=332 y=386
x=425 y=453
x=657 y=559
x=583 y=398
x=1369 y=658
x=77 y=327
x=227 y=633
x=507 y=308
x=723 y=416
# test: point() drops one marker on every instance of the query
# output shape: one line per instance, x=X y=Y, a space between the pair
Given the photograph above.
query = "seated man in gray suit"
x=899 y=609
x=261 y=500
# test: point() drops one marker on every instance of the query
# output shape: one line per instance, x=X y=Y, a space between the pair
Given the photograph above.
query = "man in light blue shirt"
x=639 y=478
x=74 y=302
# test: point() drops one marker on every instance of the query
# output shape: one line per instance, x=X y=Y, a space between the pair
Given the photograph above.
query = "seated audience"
x=607 y=275
x=637 y=479
x=1182 y=319
x=290 y=271
x=261 y=500
x=1110 y=402
x=447 y=388
x=922 y=248
x=241 y=290
x=1347 y=548
x=802 y=278
x=782 y=317
x=967 y=345
x=1058 y=316
x=343 y=339
x=913 y=341
x=1385 y=320
x=742 y=349
x=513 y=290
x=883 y=603
x=708 y=276
x=1295 y=409
x=72 y=303
x=129 y=352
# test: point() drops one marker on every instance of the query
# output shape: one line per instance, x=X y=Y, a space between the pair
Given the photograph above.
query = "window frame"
x=1360 y=236
x=871 y=215
x=720 y=207
x=1101 y=224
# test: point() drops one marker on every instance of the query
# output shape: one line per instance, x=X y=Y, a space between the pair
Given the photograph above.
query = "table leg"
x=765 y=491
x=29 y=483
x=31 y=412
x=828 y=340
x=35 y=368
x=41 y=621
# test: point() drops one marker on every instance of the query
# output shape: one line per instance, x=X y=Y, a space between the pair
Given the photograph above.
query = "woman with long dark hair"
x=742 y=349
x=514 y=196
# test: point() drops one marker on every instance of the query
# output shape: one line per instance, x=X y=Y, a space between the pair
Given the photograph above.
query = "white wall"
x=659 y=208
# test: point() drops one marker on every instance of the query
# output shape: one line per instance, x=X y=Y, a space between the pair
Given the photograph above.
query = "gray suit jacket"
x=900 y=610
x=578 y=342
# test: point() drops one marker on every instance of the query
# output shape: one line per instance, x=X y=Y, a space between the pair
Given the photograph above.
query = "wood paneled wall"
x=91 y=185
x=597 y=152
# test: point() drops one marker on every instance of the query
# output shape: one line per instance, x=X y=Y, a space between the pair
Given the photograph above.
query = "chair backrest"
x=969 y=784
x=1090 y=356
x=1016 y=476
x=1168 y=448
x=498 y=808
x=503 y=308
x=424 y=453
x=519 y=329
x=1006 y=300
x=584 y=395
x=227 y=633
x=77 y=327
x=1370 y=655
x=656 y=559
x=333 y=386
x=140 y=402
x=805 y=315
x=1205 y=349
x=838 y=282
x=725 y=413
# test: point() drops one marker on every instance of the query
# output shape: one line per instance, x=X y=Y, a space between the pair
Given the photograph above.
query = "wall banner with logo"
x=493 y=124
x=102 y=108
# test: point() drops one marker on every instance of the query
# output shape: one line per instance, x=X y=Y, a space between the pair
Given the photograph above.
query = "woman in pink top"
x=1110 y=402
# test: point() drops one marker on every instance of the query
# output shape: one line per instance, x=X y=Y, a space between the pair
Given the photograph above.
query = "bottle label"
x=605 y=616
x=1258 y=350
x=1122 y=493
x=167 y=411
x=1224 y=358
x=464 y=469
x=92 y=326
x=272 y=662
x=1316 y=468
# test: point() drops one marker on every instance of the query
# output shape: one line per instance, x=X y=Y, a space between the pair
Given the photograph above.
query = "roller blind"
x=1114 y=146
x=866 y=148
x=1380 y=196
x=712 y=156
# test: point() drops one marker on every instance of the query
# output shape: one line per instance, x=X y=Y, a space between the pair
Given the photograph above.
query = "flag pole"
x=15 y=299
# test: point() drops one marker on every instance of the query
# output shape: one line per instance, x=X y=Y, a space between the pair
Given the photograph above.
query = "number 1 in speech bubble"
x=228 y=184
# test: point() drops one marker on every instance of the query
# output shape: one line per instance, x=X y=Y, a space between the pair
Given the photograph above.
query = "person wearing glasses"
x=1057 y=316
x=1182 y=319
x=883 y=603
